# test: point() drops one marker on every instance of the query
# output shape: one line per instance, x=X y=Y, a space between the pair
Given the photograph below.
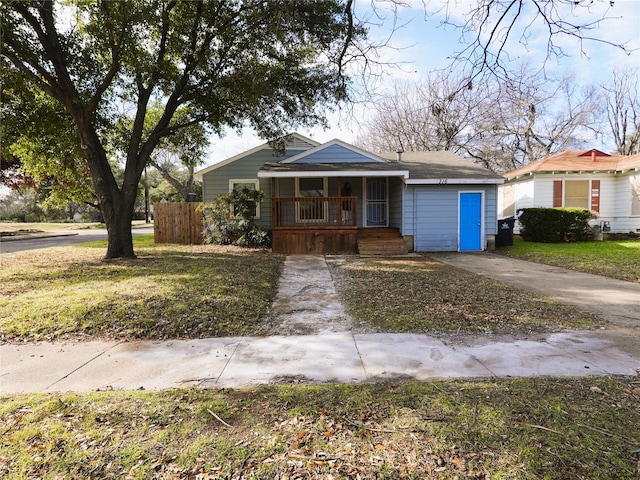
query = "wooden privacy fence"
x=177 y=223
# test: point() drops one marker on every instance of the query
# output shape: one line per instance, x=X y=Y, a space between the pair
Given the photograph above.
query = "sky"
x=421 y=43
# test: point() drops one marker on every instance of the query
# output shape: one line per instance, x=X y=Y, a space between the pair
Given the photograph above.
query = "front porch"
x=314 y=225
x=328 y=225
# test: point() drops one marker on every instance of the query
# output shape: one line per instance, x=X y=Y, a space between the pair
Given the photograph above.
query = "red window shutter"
x=557 y=193
x=595 y=196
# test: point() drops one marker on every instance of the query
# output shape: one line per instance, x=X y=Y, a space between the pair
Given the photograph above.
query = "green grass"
x=144 y=241
x=521 y=429
x=612 y=258
x=500 y=429
x=169 y=291
x=177 y=291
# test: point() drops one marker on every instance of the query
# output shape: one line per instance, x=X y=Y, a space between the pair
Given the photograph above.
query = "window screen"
x=635 y=195
x=576 y=193
x=251 y=185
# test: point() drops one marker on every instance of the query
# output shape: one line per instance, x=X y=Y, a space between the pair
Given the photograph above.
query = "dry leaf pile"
x=425 y=296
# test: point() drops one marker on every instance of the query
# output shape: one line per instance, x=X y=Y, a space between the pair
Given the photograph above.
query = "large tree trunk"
x=116 y=203
x=118 y=222
x=120 y=239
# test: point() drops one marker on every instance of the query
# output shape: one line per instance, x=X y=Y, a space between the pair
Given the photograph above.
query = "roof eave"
x=334 y=173
x=455 y=181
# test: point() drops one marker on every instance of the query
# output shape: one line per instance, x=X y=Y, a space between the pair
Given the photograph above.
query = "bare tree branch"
x=623 y=110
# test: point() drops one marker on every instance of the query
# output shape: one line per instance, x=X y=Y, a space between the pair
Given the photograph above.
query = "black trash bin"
x=505 y=232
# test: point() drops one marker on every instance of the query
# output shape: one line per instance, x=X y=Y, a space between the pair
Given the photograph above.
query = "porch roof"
x=347 y=169
x=415 y=168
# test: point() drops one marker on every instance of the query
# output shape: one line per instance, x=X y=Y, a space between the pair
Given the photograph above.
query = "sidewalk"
x=325 y=356
x=237 y=362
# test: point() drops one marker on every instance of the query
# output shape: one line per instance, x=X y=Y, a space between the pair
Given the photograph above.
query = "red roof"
x=579 y=161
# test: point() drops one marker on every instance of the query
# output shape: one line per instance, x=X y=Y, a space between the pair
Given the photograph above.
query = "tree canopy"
x=272 y=65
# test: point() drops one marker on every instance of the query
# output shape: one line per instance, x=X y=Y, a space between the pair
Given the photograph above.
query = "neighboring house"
x=608 y=185
x=337 y=198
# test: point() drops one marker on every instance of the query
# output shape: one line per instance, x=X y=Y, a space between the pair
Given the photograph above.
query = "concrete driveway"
x=615 y=300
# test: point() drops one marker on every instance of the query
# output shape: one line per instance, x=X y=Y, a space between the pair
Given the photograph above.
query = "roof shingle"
x=578 y=161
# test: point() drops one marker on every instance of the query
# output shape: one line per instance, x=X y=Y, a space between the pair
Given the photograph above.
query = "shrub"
x=555 y=225
x=230 y=219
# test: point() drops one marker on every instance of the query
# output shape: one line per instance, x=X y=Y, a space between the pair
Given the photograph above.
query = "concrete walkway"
x=307 y=302
x=325 y=356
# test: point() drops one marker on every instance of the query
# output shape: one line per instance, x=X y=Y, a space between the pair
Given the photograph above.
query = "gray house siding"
x=435 y=215
x=334 y=154
x=408 y=208
x=436 y=219
x=396 y=188
x=491 y=210
x=427 y=214
x=216 y=181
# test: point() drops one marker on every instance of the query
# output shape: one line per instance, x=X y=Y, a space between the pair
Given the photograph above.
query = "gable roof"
x=310 y=155
x=294 y=141
x=579 y=161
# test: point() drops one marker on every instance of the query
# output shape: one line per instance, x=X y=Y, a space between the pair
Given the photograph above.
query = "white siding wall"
x=621 y=219
x=615 y=197
x=542 y=191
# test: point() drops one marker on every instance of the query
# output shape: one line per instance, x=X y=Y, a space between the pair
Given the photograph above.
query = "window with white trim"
x=251 y=184
x=509 y=200
x=576 y=193
x=635 y=195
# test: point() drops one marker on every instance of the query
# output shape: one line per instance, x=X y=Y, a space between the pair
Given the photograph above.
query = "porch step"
x=381 y=241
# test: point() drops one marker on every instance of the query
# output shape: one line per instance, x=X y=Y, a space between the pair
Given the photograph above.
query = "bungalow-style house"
x=608 y=185
x=337 y=198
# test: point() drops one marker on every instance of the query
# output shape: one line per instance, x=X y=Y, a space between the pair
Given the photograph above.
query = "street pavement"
x=60 y=238
x=331 y=355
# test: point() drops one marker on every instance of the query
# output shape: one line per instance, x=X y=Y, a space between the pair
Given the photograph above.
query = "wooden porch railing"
x=315 y=212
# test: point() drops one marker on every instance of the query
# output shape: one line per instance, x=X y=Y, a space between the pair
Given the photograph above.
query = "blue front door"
x=470 y=221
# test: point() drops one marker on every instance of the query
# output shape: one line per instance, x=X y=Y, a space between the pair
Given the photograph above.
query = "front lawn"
x=612 y=258
x=169 y=291
x=421 y=295
x=520 y=429
x=181 y=291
